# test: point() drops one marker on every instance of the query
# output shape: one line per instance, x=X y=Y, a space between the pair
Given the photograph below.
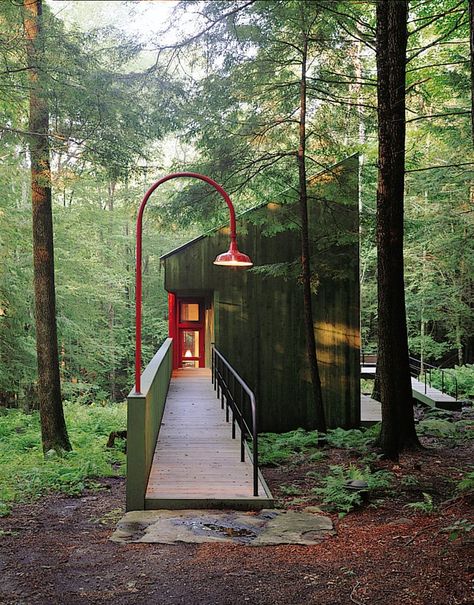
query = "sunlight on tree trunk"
x=305 y=252
x=398 y=428
x=471 y=45
x=53 y=426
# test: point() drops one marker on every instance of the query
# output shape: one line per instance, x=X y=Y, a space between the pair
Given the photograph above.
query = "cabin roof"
x=242 y=214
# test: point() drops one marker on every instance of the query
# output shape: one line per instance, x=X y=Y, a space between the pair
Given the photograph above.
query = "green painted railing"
x=144 y=414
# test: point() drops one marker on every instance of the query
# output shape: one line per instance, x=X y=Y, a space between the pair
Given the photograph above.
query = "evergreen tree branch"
x=429 y=66
x=439 y=115
x=423 y=49
x=440 y=166
x=434 y=18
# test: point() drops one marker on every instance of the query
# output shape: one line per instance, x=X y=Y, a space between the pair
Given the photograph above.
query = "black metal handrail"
x=418 y=370
x=230 y=389
x=423 y=370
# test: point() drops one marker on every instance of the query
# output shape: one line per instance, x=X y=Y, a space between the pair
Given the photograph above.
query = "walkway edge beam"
x=144 y=414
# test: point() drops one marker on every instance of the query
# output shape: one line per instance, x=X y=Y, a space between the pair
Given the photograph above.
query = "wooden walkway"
x=433 y=397
x=196 y=462
x=370 y=410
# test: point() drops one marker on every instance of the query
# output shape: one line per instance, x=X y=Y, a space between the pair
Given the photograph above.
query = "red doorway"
x=188 y=332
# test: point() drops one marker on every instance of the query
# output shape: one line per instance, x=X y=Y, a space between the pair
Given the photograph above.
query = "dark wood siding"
x=258 y=319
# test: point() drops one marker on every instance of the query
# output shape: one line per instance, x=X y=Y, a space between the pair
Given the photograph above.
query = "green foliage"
x=459 y=431
x=27 y=474
x=366 y=386
x=460 y=527
x=337 y=497
x=275 y=449
x=357 y=439
x=280 y=448
x=465 y=380
x=409 y=481
x=317 y=456
x=107 y=116
x=436 y=427
x=290 y=490
x=467 y=483
x=426 y=505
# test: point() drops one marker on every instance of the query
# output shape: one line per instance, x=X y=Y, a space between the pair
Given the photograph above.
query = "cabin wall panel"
x=259 y=320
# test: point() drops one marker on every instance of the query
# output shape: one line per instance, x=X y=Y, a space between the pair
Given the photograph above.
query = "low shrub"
x=275 y=449
x=467 y=483
x=465 y=380
x=356 y=439
x=335 y=494
x=426 y=505
x=458 y=431
x=27 y=474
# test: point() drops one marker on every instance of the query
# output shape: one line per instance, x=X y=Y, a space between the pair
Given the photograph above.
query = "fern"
x=334 y=490
x=426 y=506
x=467 y=483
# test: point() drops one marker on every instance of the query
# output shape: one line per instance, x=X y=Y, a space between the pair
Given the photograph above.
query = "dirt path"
x=57 y=551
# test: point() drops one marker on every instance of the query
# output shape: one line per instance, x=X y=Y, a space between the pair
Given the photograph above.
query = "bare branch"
x=439 y=115
x=352 y=17
x=441 y=166
x=206 y=29
x=448 y=63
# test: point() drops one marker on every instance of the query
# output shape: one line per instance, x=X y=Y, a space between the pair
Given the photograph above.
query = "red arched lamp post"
x=231 y=258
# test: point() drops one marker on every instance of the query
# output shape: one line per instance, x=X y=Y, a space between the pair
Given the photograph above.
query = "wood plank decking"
x=433 y=397
x=196 y=462
x=370 y=410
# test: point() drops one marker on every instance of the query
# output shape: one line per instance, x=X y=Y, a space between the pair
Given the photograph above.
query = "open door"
x=190 y=333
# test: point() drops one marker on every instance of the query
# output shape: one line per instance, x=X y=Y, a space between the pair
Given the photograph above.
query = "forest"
x=122 y=112
x=98 y=100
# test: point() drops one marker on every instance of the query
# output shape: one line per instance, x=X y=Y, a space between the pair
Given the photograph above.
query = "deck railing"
x=144 y=414
x=423 y=372
x=236 y=396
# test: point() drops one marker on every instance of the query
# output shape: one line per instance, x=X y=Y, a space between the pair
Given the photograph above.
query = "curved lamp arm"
x=138 y=272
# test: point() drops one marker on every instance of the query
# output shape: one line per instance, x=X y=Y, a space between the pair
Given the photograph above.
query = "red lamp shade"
x=233 y=258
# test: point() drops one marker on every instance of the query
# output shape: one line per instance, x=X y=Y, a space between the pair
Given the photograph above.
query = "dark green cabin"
x=256 y=320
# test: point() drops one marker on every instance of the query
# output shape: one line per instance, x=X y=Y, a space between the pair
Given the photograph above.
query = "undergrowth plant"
x=426 y=505
x=290 y=490
x=459 y=431
x=465 y=380
x=460 y=527
x=356 y=439
x=275 y=449
x=467 y=483
x=27 y=474
x=334 y=492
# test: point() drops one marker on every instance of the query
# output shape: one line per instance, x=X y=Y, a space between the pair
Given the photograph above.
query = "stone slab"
x=267 y=527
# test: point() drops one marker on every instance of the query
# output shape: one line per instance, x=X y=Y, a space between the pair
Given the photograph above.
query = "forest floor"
x=57 y=550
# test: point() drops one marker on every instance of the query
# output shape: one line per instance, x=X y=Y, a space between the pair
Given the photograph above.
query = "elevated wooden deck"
x=432 y=397
x=196 y=462
x=370 y=410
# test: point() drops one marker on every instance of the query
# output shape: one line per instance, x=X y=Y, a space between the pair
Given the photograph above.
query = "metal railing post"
x=235 y=399
x=255 y=445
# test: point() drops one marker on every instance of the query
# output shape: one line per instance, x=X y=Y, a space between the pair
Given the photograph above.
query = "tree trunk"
x=471 y=41
x=305 y=253
x=113 y=370
x=53 y=427
x=398 y=427
x=459 y=340
x=422 y=311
